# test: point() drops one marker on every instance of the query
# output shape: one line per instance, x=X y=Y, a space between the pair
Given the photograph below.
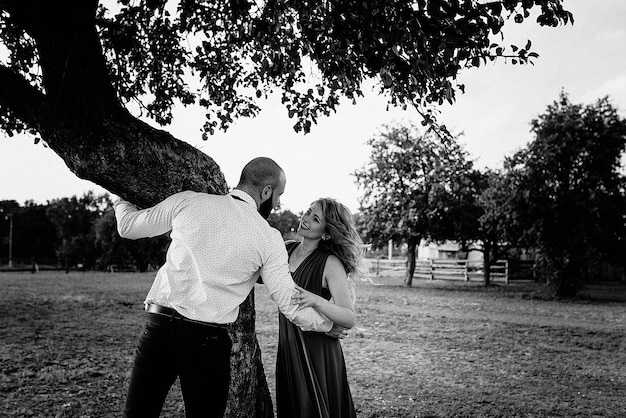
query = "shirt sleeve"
x=278 y=280
x=134 y=223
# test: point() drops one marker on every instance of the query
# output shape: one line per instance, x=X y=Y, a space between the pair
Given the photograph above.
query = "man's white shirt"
x=220 y=245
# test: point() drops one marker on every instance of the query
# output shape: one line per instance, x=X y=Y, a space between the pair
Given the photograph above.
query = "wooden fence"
x=446 y=269
x=29 y=264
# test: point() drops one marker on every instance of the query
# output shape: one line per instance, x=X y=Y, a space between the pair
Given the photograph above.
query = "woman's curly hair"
x=345 y=243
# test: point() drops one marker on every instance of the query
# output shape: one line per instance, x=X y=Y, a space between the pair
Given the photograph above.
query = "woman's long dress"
x=311 y=380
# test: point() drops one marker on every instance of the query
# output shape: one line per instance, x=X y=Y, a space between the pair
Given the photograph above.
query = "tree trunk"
x=410 y=261
x=565 y=279
x=80 y=118
x=487 y=263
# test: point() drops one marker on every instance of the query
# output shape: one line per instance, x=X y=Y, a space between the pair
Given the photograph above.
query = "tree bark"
x=487 y=263
x=80 y=118
x=410 y=260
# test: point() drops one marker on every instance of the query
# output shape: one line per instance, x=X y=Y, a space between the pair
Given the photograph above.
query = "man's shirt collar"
x=241 y=195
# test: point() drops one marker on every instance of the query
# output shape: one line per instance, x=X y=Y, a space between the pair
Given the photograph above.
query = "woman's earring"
x=325 y=237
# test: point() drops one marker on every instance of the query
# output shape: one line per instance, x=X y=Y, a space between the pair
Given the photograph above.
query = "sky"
x=586 y=60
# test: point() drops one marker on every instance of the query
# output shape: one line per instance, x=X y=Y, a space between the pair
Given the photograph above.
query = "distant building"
x=448 y=250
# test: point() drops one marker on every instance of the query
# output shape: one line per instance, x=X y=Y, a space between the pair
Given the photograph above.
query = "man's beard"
x=265 y=208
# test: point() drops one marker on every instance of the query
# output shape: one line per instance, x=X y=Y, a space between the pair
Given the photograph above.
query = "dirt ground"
x=438 y=349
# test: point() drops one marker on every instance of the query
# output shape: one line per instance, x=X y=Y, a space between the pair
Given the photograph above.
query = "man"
x=220 y=245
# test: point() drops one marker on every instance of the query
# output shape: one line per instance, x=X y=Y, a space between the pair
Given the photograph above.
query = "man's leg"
x=153 y=372
x=205 y=371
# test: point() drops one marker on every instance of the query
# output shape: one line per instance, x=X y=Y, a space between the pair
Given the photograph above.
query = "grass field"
x=435 y=350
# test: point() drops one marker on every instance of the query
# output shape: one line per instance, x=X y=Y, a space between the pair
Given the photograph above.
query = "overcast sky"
x=585 y=60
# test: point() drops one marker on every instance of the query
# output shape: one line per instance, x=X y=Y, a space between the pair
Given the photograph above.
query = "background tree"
x=72 y=66
x=496 y=223
x=478 y=214
x=33 y=236
x=412 y=188
x=8 y=209
x=570 y=198
x=74 y=219
x=286 y=222
x=117 y=253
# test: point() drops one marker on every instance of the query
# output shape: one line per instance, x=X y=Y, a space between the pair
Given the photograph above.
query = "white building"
x=448 y=250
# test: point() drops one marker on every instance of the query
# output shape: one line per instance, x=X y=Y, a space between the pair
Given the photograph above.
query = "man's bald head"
x=265 y=181
x=260 y=172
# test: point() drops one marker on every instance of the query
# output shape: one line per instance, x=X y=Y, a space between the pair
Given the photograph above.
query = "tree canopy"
x=155 y=51
x=414 y=187
x=570 y=200
x=33 y=234
x=286 y=222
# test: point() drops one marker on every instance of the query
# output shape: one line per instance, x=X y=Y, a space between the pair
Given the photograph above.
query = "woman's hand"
x=304 y=298
x=337 y=331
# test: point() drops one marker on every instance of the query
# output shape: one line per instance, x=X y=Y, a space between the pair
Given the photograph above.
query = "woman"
x=311 y=380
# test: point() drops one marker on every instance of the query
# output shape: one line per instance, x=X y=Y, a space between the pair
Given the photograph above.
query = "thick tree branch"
x=22 y=99
x=75 y=75
x=119 y=153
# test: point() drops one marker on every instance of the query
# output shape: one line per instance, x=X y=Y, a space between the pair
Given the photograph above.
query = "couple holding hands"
x=220 y=245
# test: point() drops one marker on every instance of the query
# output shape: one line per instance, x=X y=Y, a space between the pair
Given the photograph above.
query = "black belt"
x=173 y=313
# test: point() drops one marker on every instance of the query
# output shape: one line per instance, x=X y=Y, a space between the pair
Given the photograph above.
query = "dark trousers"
x=198 y=355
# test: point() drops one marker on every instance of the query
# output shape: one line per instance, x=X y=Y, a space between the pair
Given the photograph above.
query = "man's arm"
x=133 y=223
x=278 y=280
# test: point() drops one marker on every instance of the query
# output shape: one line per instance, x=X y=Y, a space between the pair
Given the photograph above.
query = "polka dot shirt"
x=220 y=245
